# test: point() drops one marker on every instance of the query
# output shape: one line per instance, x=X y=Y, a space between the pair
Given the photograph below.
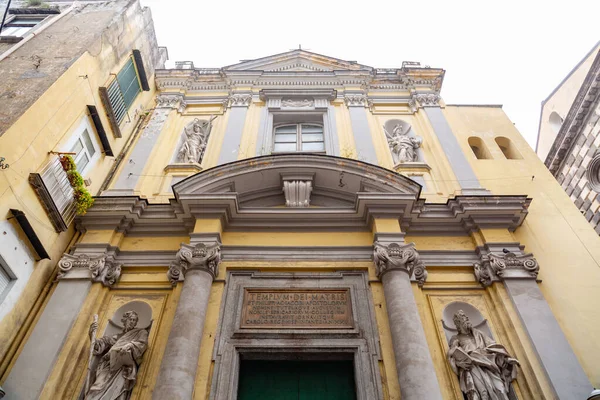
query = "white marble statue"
x=403 y=147
x=195 y=139
x=118 y=358
x=485 y=369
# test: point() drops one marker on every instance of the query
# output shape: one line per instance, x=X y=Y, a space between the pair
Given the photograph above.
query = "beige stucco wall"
x=560 y=101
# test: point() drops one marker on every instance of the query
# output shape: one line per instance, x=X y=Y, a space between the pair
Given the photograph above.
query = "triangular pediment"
x=297 y=61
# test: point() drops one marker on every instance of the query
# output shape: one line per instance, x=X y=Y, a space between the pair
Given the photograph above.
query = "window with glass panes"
x=19 y=26
x=299 y=137
x=123 y=90
x=84 y=150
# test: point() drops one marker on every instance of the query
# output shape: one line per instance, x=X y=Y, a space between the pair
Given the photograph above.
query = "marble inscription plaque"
x=297 y=309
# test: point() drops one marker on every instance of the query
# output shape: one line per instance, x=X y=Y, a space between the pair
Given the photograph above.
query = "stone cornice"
x=346 y=193
x=405 y=79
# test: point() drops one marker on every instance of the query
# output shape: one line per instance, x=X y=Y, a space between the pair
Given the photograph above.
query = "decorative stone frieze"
x=198 y=257
x=103 y=268
x=506 y=265
x=297 y=103
x=356 y=100
x=239 y=100
x=427 y=100
x=395 y=256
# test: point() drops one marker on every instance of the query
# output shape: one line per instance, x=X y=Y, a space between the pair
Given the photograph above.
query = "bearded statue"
x=485 y=369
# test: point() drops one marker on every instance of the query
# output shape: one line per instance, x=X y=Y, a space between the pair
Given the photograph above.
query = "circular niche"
x=593 y=173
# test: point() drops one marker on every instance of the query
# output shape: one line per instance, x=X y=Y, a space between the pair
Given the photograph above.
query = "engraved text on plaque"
x=297 y=308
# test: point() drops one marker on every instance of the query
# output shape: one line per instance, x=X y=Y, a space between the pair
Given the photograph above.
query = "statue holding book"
x=485 y=369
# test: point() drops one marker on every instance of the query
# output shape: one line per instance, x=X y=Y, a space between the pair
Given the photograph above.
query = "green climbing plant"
x=83 y=198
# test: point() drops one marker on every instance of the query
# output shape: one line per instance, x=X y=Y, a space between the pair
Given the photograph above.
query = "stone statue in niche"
x=195 y=138
x=403 y=147
x=485 y=369
x=117 y=360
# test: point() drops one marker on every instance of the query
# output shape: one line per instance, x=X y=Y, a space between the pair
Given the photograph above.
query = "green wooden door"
x=296 y=380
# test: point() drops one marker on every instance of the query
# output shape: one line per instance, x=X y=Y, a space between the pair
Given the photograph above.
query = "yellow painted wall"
x=565 y=245
x=46 y=126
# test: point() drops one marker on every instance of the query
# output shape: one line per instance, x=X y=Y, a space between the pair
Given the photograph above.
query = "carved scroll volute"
x=396 y=256
x=102 y=268
x=200 y=257
x=501 y=266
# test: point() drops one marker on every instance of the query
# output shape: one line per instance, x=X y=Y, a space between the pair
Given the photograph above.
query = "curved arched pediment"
x=332 y=181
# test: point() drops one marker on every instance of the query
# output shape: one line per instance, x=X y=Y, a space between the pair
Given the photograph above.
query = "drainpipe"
x=35 y=32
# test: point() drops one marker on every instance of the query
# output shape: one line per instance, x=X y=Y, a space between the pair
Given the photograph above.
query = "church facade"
x=318 y=227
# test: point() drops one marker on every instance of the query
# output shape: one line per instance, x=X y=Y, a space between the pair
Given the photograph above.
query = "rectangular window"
x=84 y=151
x=5 y=281
x=299 y=137
x=123 y=90
x=19 y=26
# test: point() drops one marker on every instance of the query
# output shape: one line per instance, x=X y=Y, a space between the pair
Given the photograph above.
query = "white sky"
x=512 y=52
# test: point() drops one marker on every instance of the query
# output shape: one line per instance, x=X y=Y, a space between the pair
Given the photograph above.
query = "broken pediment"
x=297 y=61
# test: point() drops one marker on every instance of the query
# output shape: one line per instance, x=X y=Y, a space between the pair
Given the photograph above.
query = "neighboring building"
x=56 y=60
x=569 y=135
x=314 y=226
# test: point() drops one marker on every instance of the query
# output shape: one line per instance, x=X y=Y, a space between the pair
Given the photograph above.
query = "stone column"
x=395 y=264
x=196 y=266
x=519 y=271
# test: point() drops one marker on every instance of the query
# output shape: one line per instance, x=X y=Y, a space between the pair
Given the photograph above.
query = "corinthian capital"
x=427 y=99
x=170 y=101
x=356 y=100
x=402 y=257
x=102 y=268
x=200 y=257
x=505 y=266
x=239 y=100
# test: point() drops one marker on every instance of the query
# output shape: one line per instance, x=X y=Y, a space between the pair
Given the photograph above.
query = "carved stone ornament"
x=195 y=138
x=403 y=147
x=412 y=104
x=295 y=103
x=199 y=256
x=239 y=100
x=170 y=101
x=103 y=270
x=396 y=256
x=429 y=99
x=485 y=369
x=356 y=100
x=493 y=265
x=115 y=360
x=297 y=193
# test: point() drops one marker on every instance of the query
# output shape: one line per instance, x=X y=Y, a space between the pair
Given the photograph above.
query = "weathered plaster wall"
x=44 y=106
x=562 y=240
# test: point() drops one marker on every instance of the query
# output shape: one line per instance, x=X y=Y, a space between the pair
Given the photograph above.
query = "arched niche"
x=395 y=128
x=477 y=320
x=479 y=148
x=508 y=148
x=555 y=121
x=143 y=310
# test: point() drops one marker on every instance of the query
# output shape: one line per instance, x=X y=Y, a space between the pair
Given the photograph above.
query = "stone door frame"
x=361 y=343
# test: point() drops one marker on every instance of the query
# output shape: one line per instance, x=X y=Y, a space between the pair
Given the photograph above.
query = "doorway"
x=296 y=380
